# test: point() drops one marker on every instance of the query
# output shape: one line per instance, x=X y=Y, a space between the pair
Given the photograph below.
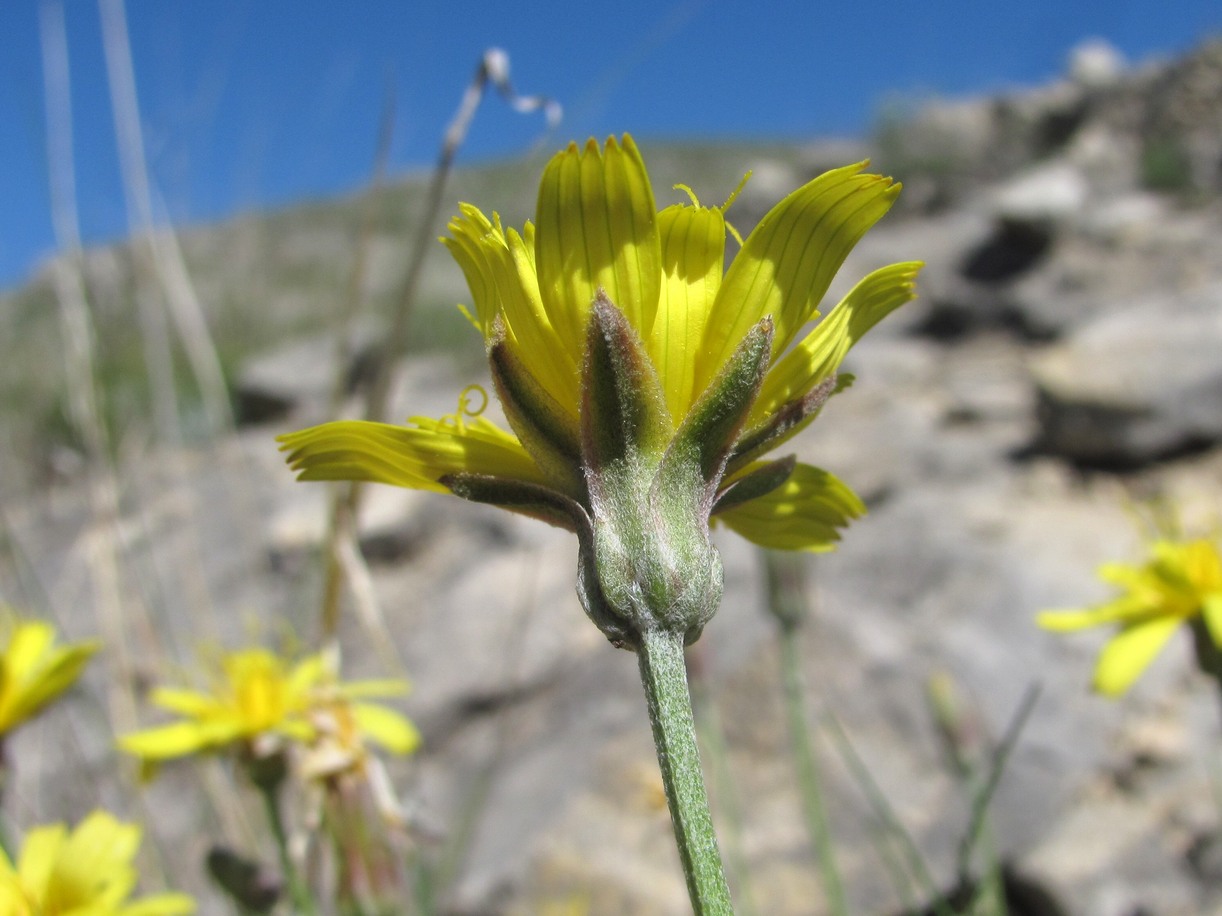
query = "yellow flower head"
x=1181 y=583
x=643 y=382
x=260 y=700
x=33 y=670
x=85 y=872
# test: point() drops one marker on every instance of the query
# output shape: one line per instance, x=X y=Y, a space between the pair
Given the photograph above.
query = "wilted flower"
x=85 y=872
x=33 y=670
x=643 y=382
x=258 y=701
x=1180 y=584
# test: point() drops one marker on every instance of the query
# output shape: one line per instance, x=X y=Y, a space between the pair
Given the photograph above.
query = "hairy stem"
x=664 y=678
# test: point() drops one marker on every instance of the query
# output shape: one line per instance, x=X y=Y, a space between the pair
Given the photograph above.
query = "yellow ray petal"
x=178 y=739
x=39 y=851
x=1124 y=609
x=804 y=513
x=595 y=229
x=1130 y=651
x=386 y=727
x=413 y=456
x=184 y=702
x=820 y=353
x=100 y=845
x=500 y=269
x=787 y=263
x=693 y=243
x=307 y=673
x=166 y=904
x=30 y=640
x=1211 y=611
x=471 y=237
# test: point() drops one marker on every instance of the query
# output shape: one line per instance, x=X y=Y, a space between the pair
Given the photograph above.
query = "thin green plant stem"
x=303 y=902
x=894 y=867
x=984 y=795
x=886 y=814
x=809 y=776
x=992 y=884
x=6 y=773
x=787 y=602
x=664 y=677
x=711 y=733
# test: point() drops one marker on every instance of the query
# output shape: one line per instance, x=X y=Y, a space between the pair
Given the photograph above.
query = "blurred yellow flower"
x=85 y=872
x=1181 y=583
x=260 y=700
x=601 y=259
x=33 y=670
x=341 y=732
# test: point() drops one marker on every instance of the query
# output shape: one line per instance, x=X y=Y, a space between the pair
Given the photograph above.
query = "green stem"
x=809 y=781
x=303 y=902
x=888 y=819
x=664 y=677
x=6 y=845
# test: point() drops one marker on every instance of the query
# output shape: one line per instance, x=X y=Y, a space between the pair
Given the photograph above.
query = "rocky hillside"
x=1061 y=362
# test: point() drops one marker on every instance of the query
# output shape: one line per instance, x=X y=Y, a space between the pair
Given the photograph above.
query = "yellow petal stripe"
x=693 y=244
x=500 y=269
x=818 y=355
x=595 y=229
x=413 y=456
x=471 y=236
x=804 y=513
x=788 y=261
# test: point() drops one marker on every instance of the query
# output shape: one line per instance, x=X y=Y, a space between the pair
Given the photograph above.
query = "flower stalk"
x=267 y=774
x=787 y=603
x=664 y=677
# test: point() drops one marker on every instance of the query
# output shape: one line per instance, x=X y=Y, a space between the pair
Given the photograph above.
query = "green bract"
x=643 y=382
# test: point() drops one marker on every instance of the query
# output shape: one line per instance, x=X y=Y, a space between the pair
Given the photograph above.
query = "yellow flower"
x=33 y=671
x=87 y=872
x=597 y=229
x=258 y=701
x=644 y=382
x=1180 y=584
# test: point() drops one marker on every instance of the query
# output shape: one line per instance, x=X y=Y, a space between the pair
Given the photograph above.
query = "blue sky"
x=246 y=105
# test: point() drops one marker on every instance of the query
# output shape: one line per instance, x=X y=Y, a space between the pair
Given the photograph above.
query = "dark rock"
x=1136 y=385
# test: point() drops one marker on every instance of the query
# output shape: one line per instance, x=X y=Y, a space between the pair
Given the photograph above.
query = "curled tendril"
x=472 y=401
x=726 y=206
x=738 y=190
x=691 y=195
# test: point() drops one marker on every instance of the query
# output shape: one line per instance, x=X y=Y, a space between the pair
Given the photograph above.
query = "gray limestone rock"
x=1135 y=385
